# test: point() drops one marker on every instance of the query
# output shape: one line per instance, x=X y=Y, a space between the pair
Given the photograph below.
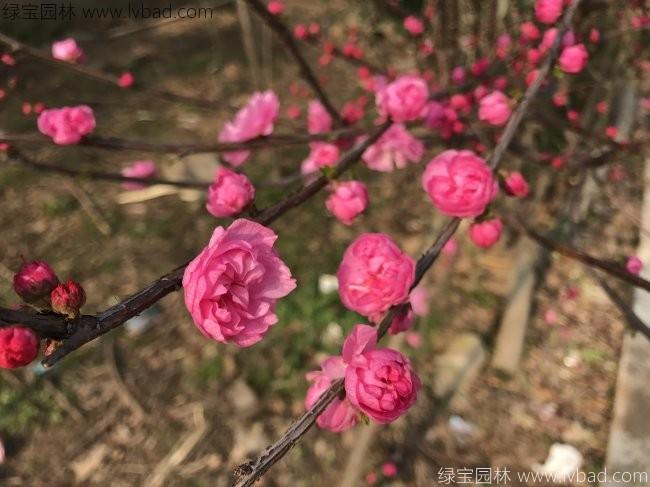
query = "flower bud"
x=34 y=282
x=67 y=298
x=18 y=347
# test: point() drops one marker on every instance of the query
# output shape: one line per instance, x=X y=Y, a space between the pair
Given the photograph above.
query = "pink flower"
x=352 y=112
x=66 y=125
x=550 y=316
x=68 y=298
x=602 y=107
x=254 y=120
x=516 y=185
x=459 y=183
x=347 y=201
x=451 y=247
x=487 y=233
x=573 y=58
x=126 y=80
x=67 y=50
x=548 y=39
x=504 y=41
x=229 y=194
x=529 y=32
x=35 y=281
x=634 y=265
x=458 y=75
x=321 y=155
x=394 y=150
x=611 y=132
x=494 y=109
x=371 y=478
x=378 y=381
x=275 y=7
x=413 y=339
x=548 y=11
x=319 y=121
x=420 y=300
x=8 y=59
x=389 y=469
x=413 y=25
x=374 y=275
x=594 y=36
x=18 y=347
x=339 y=415
x=141 y=170
x=232 y=286
x=300 y=31
x=404 y=99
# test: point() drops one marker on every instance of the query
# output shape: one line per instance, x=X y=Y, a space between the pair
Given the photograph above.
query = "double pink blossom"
x=18 y=347
x=378 y=381
x=140 y=170
x=67 y=50
x=404 y=99
x=394 y=150
x=229 y=194
x=486 y=234
x=548 y=11
x=256 y=119
x=339 y=415
x=66 y=125
x=321 y=154
x=232 y=286
x=413 y=25
x=319 y=121
x=494 y=108
x=573 y=58
x=459 y=183
x=374 y=275
x=347 y=201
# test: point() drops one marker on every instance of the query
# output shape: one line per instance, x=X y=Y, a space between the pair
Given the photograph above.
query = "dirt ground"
x=115 y=412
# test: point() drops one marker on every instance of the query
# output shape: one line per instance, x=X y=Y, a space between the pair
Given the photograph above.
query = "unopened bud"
x=67 y=298
x=34 y=282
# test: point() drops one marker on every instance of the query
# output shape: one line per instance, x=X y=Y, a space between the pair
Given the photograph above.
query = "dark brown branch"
x=576 y=254
x=115 y=143
x=18 y=46
x=247 y=474
x=90 y=327
x=306 y=72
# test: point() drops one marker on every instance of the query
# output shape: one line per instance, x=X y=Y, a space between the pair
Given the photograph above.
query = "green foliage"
x=24 y=408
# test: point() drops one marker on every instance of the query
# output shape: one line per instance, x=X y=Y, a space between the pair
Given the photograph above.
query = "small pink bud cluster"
x=379 y=382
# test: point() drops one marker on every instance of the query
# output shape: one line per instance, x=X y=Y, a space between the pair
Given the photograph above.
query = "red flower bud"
x=34 y=282
x=18 y=347
x=67 y=298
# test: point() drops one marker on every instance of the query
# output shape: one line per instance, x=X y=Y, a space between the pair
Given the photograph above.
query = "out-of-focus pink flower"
x=413 y=339
x=529 y=32
x=18 y=347
x=444 y=119
x=480 y=67
x=634 y=265
x=389 y=469
x=140 y=170
x=347 y=201
x=322 y=154
x=516 y=184
x=559 y=99
x=126 y=80
x=573 y=116
x=504 y=41
x=318 y=120
x=558 y=162
x=501 y=83
x=611 y=132
x=494 y=108
x=38 y=107
x=34 y=282
x=66 y=125
x=26 y=108
x=533 y=55
x=2 y=452
x=550 y=316
x=459 y=183
x=573 y=58
x=404 y=99
x=371 y=478
x=419 y=299
x=275 y=7
x=531 y=77
x=67 y=298
x=293 y=112
x=394 y=150
x=548 y=11
x=232 y=286
x=458 y=75
x=379 y=381
x=450 y=247
x=256 y=119
x=374 y=275
x=67 y=50
x=486 y=234
x=548 y=39
x=602 y=107
x=594 y=36
x=229 y=194
x=300 y=31
x=7 y=59
x=352 y=112
x=413 y=25
x=339 y=415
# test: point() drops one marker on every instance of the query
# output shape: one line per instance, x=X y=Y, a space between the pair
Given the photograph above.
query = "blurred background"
x=520 y=349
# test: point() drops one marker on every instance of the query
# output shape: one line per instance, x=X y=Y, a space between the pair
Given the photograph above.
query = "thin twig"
x=306 y=72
